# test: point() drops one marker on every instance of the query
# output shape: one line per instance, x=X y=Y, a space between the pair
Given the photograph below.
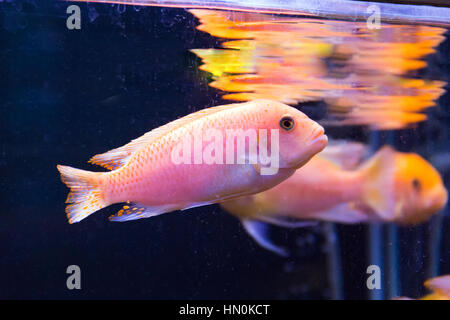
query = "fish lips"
x=438 y=199
x=314 y=146
x=318 y=144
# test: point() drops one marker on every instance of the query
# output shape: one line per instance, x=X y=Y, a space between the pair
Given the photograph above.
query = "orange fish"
x=152 y=176
x=390 y=186
x=439 y=287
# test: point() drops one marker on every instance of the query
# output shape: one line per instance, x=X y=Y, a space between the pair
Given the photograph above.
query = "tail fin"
x=379 y=188
x=85 y=195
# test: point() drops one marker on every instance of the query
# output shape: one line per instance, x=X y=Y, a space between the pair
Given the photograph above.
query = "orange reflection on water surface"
x=366 y=77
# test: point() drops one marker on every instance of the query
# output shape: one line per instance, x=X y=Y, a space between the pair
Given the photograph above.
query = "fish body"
x=391 y=186
x=185 y=163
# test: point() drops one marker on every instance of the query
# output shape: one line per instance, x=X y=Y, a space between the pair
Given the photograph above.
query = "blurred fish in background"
x=439 y=287
x=391 y=186
x=378 y=80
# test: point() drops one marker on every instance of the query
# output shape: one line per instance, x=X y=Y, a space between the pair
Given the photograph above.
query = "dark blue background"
x=67 y=95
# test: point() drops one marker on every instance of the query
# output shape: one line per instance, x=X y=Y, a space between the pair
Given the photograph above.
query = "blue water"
x=68 y=95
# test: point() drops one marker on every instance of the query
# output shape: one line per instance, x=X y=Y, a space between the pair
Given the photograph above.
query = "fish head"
x=299 y=137
x=419 y=190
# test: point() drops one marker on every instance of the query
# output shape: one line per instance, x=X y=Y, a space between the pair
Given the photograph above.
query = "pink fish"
x=147 y=172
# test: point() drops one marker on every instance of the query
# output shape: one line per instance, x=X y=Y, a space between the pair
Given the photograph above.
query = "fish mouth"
x=317 y=136
x=319 y=140
x=316 y=145
x=438 y=199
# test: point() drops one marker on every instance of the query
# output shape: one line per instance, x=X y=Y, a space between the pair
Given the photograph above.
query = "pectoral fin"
x=259 y=232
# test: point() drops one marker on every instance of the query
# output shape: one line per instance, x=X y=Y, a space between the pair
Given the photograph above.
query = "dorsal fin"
x=118 y=157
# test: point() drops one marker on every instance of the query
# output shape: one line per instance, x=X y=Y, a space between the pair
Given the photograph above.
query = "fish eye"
x=416 y=184
x=287 y=123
